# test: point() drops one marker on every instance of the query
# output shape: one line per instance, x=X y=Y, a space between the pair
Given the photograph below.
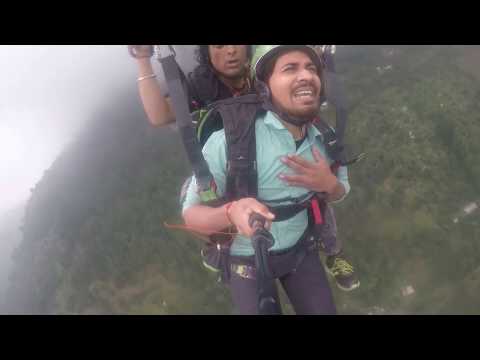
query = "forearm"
x=337 y=193
x=157 y=107
x=205 y=219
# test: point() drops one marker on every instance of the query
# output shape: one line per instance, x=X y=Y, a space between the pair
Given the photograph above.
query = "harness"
x=237 y=116
x=204 y=87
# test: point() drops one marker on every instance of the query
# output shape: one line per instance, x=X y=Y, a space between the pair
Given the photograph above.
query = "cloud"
x=47 y=94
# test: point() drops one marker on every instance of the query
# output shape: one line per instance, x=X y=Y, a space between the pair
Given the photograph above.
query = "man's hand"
x=314 y=176
x=240 y=211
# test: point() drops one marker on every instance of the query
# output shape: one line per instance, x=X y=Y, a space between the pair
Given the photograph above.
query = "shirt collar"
x=271 y=119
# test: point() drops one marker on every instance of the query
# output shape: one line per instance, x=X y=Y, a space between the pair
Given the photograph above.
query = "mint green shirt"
x=273 y=142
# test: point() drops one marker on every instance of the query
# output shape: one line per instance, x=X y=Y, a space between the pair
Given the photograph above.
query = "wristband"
x=146 y=77
x=227 y=210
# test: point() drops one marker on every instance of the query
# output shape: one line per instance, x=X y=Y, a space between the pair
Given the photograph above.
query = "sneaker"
x=343 y=272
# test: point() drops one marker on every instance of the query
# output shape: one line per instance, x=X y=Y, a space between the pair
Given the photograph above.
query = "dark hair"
x=202 y=54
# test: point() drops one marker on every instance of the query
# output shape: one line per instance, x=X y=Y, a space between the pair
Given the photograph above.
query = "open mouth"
x=305 y=93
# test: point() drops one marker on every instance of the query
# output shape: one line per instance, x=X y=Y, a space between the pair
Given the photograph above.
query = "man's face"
x=295 y=85
x=229 y=60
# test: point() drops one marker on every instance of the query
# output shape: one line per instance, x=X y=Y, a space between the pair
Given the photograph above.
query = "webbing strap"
x=173 y=77
x=336 y=96
x=317 y=213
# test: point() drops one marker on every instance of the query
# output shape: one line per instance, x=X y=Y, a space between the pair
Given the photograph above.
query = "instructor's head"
x=230 y=61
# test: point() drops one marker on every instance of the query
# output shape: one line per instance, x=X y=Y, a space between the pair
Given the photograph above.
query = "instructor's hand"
x=140 y=51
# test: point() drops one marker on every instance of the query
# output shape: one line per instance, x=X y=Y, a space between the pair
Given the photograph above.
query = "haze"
x=46 y=95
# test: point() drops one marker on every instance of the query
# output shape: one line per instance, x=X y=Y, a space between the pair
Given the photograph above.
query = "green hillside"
x=94 y=239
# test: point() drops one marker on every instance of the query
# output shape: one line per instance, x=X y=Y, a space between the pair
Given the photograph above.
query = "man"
x=222 y=72
x=289 y=81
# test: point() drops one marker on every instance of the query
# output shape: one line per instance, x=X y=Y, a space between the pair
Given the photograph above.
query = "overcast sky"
x=46 y=95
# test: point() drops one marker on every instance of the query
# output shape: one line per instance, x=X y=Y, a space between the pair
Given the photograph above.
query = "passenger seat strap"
x=317 y=214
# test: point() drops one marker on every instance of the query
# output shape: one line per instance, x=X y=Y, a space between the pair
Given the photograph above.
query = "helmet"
x=264 y=53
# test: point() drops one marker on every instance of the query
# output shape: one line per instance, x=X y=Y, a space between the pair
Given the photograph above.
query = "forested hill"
x=10 y=236
x=416 y=111
x=93 y=233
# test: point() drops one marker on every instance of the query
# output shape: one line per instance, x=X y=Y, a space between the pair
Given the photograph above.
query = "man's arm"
x=208 y=220
x=342 y=187
x=205 y=219
x=337 y=193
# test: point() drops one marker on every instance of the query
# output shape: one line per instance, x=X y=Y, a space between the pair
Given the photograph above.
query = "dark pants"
x=329 y=241
x=306 y=286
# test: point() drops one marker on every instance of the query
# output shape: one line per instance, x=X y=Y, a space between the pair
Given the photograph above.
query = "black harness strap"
x=204 y=86
x=239 y=117
x=176 y=84
x=335 y=95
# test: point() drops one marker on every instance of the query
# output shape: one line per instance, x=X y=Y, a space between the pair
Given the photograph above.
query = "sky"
x=46 y=95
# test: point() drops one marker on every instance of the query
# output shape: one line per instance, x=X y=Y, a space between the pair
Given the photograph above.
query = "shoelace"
x=342 y=266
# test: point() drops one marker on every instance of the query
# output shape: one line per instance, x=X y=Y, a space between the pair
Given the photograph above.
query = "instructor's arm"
x=157 y=107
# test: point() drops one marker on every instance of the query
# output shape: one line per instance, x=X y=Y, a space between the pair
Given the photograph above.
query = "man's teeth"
x=304 y=93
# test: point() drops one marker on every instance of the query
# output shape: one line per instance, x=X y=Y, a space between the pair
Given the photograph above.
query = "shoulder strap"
x=205 y=87
x=328 y=134
x=176 y=84
x=239 y=116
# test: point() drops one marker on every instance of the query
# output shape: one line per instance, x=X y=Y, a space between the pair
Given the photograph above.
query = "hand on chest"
x=271 y=149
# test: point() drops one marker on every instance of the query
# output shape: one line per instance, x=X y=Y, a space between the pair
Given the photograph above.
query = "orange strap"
x=197 y=231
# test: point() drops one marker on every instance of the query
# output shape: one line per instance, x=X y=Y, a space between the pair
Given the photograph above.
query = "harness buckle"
x=354 y=159
x=163 y=51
